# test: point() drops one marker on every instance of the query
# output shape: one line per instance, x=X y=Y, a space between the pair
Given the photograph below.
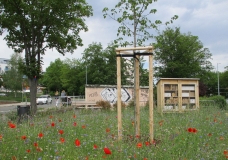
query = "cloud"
x=206 y=19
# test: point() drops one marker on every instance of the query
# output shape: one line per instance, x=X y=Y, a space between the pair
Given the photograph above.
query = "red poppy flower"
x=145 y=159
x=86 y=158
x=95 y=146
x=40 y=135
x=0 y=137
x=190 y=130
x=77 y=143
x=60 y=120
x=147 y=143
x=107 y=151
x=11 y=125
x=84 y=126
x=225 y=152
x=62 y=140
x=35 y=144
x=50 y=117
x=23 y=137
x=61 y=131
x=107 y=130
x=53 y=124
x=28 y=150
x=194 y=130
x=161 y=122
x=137 y=136
x=14 y=158
x=74 y=116
x=221 y=138
x=209 y=134
x=139 y=145
x=74 y=124
x=38 y=149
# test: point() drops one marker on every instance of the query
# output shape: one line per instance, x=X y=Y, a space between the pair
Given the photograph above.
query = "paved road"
x=4 y=108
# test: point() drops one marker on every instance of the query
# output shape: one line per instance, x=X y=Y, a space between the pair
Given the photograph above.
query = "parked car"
x=44 y=99
x=2 y=94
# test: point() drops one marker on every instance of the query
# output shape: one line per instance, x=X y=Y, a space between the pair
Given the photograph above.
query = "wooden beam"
x=151 y=102
x=134 y=48
x=119 y=115
x=136 y=98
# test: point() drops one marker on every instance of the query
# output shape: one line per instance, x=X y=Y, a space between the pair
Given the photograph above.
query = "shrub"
x=123 y=105
x=104 y=104
x=220 y=101
x=131 y=103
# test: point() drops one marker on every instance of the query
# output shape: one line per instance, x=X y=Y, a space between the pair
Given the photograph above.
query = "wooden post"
x=119 y=115
x=136 y=97
x=151 y=109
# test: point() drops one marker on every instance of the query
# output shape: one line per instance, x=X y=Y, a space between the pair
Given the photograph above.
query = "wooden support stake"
x=119 y=116
x=136 y=97
x=151 y=109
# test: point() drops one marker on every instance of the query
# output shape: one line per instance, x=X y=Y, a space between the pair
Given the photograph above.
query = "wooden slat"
x=119 y=115
x=134 y=48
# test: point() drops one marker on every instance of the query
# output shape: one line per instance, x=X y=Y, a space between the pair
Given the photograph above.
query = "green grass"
x=94 y=127
x=12 y=97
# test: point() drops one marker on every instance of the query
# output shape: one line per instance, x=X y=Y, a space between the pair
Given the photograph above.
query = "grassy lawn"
x=83 y=135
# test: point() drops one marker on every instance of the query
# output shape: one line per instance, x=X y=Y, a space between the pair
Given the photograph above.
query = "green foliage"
x=12 y=79
x=98 y=64
x=134 y=22
x=51 y=77
x=181 y=55
x=220 y=101
x=223 y=77
x=37 y=25
x=100 y=129
x=34 y=26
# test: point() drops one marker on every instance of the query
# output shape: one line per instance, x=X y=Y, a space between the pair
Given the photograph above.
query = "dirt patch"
x=8 y=102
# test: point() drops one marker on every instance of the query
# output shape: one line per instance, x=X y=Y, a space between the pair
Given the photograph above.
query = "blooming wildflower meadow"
x=92 y=135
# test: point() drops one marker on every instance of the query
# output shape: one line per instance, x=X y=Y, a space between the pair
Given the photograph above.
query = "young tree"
x=181 y=55
x=12 y=78
x=36 y=25
x=132 y=15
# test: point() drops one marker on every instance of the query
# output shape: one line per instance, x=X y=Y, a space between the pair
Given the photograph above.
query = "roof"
x=185 y=79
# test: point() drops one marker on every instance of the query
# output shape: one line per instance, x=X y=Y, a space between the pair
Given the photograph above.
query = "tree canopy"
x=33 y=26
x=12 y=79
x=180 y=55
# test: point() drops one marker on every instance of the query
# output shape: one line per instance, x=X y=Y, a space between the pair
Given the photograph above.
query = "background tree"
x=51 y=78
x=12 y=79
x=72 y=78
x=101 y=64
x=33 y=26
x=183 y=56
x=223 y=83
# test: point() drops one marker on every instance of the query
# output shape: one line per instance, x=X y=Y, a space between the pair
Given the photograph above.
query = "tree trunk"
x=33 y=91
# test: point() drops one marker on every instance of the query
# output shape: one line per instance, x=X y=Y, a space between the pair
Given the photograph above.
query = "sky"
x=206 y=19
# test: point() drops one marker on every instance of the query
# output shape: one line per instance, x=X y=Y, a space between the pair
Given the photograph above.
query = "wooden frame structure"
x=126 y=52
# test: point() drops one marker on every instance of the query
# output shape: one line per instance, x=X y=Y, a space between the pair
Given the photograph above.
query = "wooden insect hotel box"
x=177 y=94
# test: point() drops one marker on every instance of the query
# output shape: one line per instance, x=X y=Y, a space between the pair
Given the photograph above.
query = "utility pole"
x=218 y=79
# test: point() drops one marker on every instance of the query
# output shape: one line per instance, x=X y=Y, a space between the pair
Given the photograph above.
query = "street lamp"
x=86 y=75
x=218 y=78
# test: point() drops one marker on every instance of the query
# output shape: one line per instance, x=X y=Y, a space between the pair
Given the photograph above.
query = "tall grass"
x=97 y=129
